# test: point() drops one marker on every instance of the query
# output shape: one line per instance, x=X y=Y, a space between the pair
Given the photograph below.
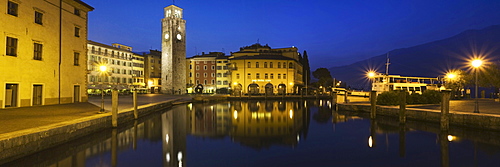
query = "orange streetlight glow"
x=103 y=68
x=477 y=63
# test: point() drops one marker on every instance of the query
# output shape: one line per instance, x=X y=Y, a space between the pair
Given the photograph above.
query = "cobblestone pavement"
x=15 y=119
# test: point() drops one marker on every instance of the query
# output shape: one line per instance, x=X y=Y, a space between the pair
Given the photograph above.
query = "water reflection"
x=267 y=125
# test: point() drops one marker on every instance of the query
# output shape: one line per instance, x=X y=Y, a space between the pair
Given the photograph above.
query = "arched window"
x=290 y=65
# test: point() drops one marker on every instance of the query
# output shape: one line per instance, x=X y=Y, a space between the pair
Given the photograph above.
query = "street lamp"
x=476 y=64
x=103 y=69
x=371 y=77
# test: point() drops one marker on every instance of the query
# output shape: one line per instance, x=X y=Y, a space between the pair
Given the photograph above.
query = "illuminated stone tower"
x=173 y=59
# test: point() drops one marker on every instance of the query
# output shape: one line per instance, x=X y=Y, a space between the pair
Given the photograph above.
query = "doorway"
x=11 y=95
x=37 y=95
x=76 y=93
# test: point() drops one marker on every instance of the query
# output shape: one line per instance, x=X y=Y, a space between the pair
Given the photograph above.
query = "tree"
x=490 y=76
x=456 y=80
x=324 y=77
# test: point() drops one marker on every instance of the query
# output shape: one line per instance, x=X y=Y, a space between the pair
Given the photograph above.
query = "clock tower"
x=173 y=46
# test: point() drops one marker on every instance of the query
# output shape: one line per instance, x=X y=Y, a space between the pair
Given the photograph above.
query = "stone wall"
x=21 y=143
x=473 y=120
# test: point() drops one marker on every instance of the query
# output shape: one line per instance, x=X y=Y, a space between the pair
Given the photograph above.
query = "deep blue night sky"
x=334 y=32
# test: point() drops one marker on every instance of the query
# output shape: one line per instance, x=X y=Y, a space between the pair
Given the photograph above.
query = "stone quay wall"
x=17 y=144
x=473 y=120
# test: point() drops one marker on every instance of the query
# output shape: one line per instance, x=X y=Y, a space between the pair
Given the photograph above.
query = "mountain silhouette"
x=431 y=59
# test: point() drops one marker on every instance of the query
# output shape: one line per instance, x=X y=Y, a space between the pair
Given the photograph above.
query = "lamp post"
x=476 y=64
x=371 y=76
x=103 y=70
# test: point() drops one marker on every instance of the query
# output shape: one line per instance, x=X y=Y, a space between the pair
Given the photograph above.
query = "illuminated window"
x=225 y=83
x=219 y=83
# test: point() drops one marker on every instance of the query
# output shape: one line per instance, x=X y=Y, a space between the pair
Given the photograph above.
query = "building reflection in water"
x=254 y=124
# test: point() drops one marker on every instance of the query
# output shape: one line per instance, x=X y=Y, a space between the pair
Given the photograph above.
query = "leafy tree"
x=459 y=80
x=489 y=76
x=324 y=77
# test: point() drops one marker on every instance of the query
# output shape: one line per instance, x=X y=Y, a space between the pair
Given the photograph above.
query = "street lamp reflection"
x=370 y=142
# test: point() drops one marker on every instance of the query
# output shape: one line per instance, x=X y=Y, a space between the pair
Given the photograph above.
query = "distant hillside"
x=427 y=60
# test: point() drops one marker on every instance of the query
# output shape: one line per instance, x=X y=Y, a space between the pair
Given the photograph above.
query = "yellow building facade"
x=259 y=69
x=43 y=52
x=117 y=59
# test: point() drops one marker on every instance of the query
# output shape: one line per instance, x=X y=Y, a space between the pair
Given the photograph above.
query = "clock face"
x=167 y=36
x=179 y=37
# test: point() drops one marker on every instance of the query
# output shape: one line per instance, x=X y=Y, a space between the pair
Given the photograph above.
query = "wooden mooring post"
x=136 y=115
x=402 y=106
x=445 y=110
x=345 y=97
x=114 y=108
x=373 y=104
